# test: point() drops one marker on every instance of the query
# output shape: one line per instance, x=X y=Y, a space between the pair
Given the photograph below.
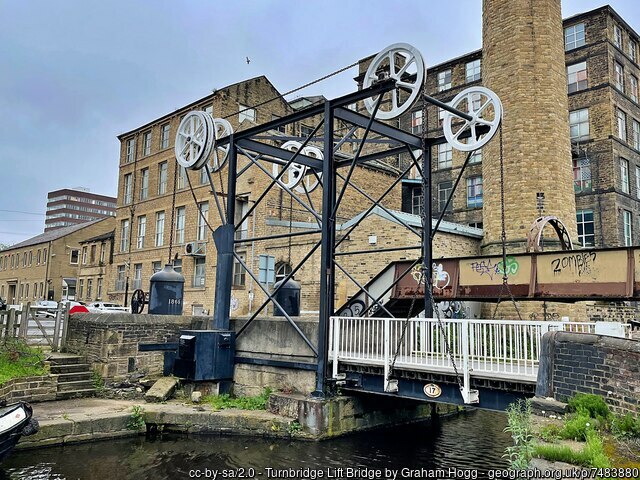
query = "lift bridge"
x=373 y=343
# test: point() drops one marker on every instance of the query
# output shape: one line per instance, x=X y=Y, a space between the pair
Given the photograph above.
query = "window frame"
x=147 y=138
x=580 y=84
x=142 y=231
x=200 y=272
x=443 y=195
x=160 y=231
x=475 y=66
x=577 y=41
x=165 y=133
x=475 y=200
x=581 y=225
x=181 y=215
x=624 y=176
x=579 y=124
x=444 y=83
x=627 y=225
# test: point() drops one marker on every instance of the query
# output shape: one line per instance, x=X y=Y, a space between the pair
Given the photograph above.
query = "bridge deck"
x=484 y=369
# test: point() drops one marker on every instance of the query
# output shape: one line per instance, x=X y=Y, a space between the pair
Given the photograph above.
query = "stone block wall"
x=30 y=389
x=611 y=312
x=110 y=341
x=573 y=363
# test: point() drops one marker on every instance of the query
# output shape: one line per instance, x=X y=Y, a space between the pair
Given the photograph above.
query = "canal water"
x=471 y=443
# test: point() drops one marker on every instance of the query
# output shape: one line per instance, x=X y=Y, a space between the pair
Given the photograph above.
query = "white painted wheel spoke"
x=412 y=57
x=475 y=141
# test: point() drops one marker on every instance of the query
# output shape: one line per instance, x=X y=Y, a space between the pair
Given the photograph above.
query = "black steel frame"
x=251 y=145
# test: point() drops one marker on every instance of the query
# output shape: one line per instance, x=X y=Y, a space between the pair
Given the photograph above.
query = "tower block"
x=523 y=62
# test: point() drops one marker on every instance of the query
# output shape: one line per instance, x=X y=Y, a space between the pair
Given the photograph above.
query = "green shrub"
x=626 y=426
x=136 y=421
x=593 y=405
x=220 y=402
x=577 y=426
x=551 y=433
x=520 y=428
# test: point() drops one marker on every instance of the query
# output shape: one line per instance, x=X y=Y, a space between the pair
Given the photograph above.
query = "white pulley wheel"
x=484 y=107
x=309 y=180
x=296 y=172
x=221 y=128
x=202 y=161
x=193 y=140
x=405 y=65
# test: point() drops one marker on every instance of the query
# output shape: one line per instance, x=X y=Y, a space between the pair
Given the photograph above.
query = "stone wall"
x=30 y=389
x=573 y=363
x=110 y=341
x=611 y=312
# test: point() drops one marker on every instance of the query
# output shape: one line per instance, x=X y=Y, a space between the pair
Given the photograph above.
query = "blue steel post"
x=223 y=238
x=327 y=283
x=427 y=254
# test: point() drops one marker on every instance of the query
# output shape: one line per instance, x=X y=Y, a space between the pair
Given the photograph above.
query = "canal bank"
x=92 y=419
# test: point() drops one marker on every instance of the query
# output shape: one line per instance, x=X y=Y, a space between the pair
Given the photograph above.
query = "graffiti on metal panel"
x=575 y=263
x=417 y=274
x=441 y=277
x=353 y=309
x=491 y=269
x=453 y=309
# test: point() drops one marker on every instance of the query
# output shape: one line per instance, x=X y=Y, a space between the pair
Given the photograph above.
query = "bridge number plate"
x=432 y=390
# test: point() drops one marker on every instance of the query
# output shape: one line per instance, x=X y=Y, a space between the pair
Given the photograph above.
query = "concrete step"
x=77 y=368
x=83 y=393
x=77 y=385
x=65 y=359
x=74 y=377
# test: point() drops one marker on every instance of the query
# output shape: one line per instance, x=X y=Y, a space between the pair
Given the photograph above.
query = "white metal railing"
x=502 y=349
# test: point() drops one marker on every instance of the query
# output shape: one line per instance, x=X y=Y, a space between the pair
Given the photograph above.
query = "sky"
x=76 y=73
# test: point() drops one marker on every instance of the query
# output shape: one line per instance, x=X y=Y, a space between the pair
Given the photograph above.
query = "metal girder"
x=279 y=155
x=378 y=127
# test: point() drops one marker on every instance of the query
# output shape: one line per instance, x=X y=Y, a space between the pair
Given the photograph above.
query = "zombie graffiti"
x=576 y=263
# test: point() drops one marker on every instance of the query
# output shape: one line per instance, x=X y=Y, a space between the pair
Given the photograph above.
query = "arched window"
x=282 y=270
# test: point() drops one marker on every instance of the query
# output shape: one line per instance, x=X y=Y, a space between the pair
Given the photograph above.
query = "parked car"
x=106 y=307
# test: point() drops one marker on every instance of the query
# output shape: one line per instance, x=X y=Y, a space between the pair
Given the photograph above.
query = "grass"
x=136 y=421
x=17 y=360
x=592 y=454
x=221 y=402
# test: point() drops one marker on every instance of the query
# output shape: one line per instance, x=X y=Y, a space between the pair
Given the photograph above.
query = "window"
x=199 y=273
x=177 y=265
x=89 y=288
x=637 y=181
x=137 y=276
x=632 y=50
x=474 y=192
x=305 y=131
x=44 y=256
x=586 y=228
x=146 y=143
x=618 y=76
x=204 y=178
x=92 y=255
x=103 y=250
x=444 y=190
x=242 y=207
x=73 y=260
x=26 y=290
x=202 y=220
x=628 y=228
x=165 y=131
x=84 y=255
x=624 y=174
x=283 y=269
x=182 y=178
x=444 y=80
x=142 y=230
x=579 y=125
x=128 y=193
x=120 y=282
x=577 y=77
x=636 y=134
x=144 y=183
x=246 y=113
x=24 y=260
x=124 y=235
x=156 y=267
x=444 y=156
x=617 y=36
x=473 y=71
x=238 y=271
x=574 y=36
x=280 y=128
x=159 y=229
x=180 y=218
x=30 y=257
x=417 y=201
x=476 y=156
x=441 y=114
x=131 y=150
x=581 y=175
x=80 y=288
x=416 y=121
x=479 y=225
x=99 y=289
x=163 y=173
x=622 y=124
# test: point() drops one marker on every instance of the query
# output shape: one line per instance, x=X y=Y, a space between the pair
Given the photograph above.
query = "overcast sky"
x=74 y=74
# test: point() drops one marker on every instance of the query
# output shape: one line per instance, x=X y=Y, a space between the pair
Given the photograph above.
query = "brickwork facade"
x=96 y=254
x=45 y=267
